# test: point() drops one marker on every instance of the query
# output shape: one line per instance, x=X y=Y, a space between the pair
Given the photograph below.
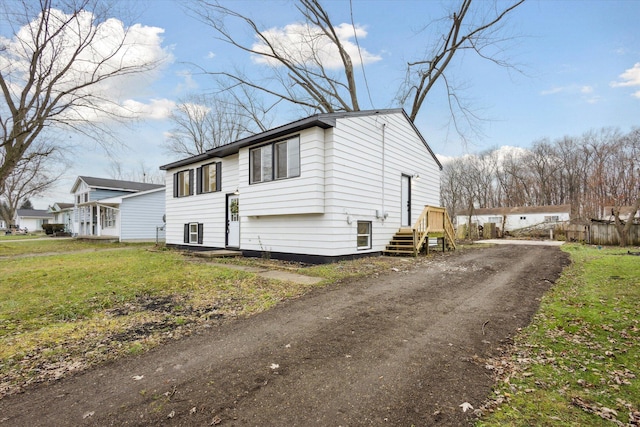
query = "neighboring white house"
x=325 y=187
x=516 y=218
x=625 y=213
x=62 y=214
x=31 y=219
x=139 y=216
x=128 y=210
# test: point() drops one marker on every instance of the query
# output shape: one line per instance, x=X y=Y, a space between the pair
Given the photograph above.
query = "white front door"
x=405 y=201
x=233 y=221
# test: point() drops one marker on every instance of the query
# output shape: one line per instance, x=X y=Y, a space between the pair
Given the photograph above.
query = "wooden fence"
x=601 y=234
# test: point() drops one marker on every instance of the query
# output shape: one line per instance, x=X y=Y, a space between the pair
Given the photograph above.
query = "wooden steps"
x=401 y=244
x=433 y=223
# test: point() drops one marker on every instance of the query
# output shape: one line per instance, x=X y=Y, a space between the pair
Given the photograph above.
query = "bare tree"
x=56 y=71
x=464 y=30
x=624 y=182
x=202 y=122
x=300 y=73
x=318 y=71
x=34 y=174
x=141 y=174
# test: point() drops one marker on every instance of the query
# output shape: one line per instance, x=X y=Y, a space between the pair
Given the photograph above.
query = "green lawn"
x=578 y=363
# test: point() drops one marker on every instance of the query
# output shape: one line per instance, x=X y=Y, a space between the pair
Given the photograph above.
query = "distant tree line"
x=598 y=169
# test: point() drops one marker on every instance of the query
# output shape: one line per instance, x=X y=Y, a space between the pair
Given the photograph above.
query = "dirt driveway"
x=399 y=349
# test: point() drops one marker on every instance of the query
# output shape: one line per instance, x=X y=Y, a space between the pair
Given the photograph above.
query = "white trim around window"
x=364 y=235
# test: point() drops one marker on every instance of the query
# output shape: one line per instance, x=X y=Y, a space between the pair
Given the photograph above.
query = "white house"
x=625 y=213
x=515 y=218
x=31 y=219
x=62 y=214
x=326 y=187
x=127 y=210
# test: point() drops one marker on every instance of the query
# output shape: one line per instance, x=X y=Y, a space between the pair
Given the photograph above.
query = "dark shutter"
x=218 y=176
x=198 y=180
x=175 y=185
x=200 y=233
x=186 y=233
x=191 y=182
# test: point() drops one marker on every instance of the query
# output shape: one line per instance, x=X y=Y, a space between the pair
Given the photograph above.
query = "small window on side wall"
x=364 y=235
x=193 y=233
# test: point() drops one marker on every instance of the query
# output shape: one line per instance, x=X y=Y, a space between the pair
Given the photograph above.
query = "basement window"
x=364 y=235
x=193 y=233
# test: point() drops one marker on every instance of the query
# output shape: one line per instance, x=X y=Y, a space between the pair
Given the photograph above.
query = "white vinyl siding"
x=141 y=215
x=351 y=191
x=344 y=177
x=302 y=194
x=207 y=208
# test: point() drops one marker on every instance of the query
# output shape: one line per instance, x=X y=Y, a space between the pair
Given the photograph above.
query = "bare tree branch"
x=463 y=34
x=54 y=69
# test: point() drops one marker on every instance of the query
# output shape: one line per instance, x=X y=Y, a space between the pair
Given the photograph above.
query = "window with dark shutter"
x=209 y=178
x=183 y=183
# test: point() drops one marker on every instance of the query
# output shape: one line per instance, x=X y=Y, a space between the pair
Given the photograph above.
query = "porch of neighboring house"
x=433 y=224
x=98 y=221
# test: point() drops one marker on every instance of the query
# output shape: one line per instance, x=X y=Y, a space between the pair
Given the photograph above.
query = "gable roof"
x=324 y=121
x=114 y=184
x=58 y=207
x=33 y=213
x=517 y=210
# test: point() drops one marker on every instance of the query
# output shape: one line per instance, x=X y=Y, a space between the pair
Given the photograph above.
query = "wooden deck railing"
x=432 y=222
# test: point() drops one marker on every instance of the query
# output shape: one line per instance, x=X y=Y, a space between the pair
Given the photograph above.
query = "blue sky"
x=580 y=63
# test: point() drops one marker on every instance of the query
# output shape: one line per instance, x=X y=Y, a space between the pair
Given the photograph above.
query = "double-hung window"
x=183 y=183
x=364 y=234
x=279 y=160
x=208 y=177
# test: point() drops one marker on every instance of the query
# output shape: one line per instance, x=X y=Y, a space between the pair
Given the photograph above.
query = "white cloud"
x=136 y=51
x=586 y=92
x=553 y=91
x=156 y=109
x=306 y=44
x=211 y=55
x=188 y=83
x=630 y=77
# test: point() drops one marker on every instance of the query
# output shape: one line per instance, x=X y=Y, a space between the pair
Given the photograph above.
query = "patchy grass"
x=578 y=363
x=28 y=247
x=66 y=305
x=20 y=236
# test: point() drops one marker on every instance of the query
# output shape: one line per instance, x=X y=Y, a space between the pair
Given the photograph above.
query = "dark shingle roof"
x=114 y=184
x=33 y=213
